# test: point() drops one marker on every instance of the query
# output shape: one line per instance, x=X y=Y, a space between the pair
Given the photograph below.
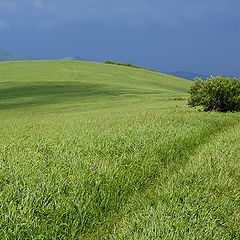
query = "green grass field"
x=97 y=151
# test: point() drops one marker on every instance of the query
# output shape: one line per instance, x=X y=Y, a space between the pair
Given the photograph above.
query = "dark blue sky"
x=168 y=35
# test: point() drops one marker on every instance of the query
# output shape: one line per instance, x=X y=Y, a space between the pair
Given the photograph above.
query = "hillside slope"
x=72 y=84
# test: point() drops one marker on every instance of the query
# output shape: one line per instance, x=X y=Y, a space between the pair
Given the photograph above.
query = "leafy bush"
x=216 y=94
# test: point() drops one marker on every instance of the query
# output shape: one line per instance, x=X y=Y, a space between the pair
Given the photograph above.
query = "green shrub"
x=216 y=94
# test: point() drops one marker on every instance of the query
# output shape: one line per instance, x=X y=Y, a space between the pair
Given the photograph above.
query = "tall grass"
x=93 y=151
x=67 y=176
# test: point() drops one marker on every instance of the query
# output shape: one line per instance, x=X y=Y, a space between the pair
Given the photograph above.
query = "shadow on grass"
x=29 y=95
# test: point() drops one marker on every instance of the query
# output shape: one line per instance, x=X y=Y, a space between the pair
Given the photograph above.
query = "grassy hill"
x=98 y=151
x=66 y=84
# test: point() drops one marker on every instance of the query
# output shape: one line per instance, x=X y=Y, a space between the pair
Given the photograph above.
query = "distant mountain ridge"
x=188 y=75
x=70 y=58
x=8 y=56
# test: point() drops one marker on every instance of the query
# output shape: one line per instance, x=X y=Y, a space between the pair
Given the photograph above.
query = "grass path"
x=200 y=201
x=167 y=185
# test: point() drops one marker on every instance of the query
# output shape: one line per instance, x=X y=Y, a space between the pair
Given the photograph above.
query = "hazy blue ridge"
x=188 y=75
x=8 y=56
x=70 y=58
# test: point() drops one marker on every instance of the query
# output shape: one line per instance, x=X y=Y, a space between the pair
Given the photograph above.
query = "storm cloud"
x=167 y=35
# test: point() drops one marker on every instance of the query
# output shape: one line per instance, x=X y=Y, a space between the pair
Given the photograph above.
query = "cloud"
x=164 y=13
x=105 y=11
x=134 y=12
x=7 y=5
x=47 y=24
x=4 y=25
x=39 y=3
